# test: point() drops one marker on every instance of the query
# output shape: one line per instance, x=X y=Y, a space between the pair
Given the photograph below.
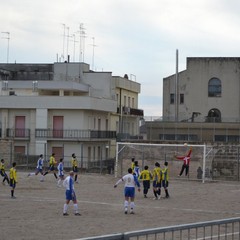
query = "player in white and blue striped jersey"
x=131 y=181
x=68 y=183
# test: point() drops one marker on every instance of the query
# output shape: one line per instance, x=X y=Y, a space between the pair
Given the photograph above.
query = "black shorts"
x=75 y=169
x=146 y=184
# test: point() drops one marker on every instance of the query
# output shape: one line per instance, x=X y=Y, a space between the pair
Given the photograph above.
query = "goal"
x=147 y=154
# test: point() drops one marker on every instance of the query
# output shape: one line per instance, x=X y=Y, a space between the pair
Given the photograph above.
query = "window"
x=106 y=125
x=133 y=103
x=172 y=98
x=181 y=98
x=117 y=99
x=214 y=87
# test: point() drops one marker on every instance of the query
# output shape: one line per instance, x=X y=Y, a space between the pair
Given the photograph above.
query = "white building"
x=66 y=108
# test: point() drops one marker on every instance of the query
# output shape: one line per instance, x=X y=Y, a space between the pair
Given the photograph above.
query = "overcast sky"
x=133 y=37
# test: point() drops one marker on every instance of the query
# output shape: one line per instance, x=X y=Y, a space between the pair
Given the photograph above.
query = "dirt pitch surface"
x=36 y=213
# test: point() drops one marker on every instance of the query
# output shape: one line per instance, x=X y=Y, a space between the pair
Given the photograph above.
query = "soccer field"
x=36 y=213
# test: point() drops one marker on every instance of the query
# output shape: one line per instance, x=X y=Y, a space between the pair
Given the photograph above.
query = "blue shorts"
x=3 y=173
x=164 y=183
x=129 y=192
x=156 y=184
x=12 y=183
x=51 y=168
x=61 y=175
x=39 y=170
x=70 y=195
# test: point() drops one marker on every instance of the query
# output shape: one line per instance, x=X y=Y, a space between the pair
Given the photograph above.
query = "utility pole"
x=176 y=89
x=7 y=36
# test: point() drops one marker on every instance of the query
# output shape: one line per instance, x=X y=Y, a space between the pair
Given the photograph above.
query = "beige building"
x=66 y=108
x=207 y=106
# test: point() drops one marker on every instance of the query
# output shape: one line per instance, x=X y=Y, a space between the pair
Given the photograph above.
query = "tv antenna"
x=7 y=36
x=64 y=30
x=67 y=39
x=93 y=45
x=82 y=36
x=74 y=45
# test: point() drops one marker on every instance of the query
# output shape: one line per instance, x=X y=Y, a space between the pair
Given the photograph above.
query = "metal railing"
x=74 y=134
x=217 y=229
x=18 y=133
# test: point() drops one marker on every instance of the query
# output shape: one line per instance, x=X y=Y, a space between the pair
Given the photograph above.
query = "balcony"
x=74 y=134
x=132 y=111
x=18 y=133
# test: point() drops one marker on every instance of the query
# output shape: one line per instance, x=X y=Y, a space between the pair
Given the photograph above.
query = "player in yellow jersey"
x=2 y=172
x=75 y=167
x=133 y=163
x=165 y=178
x=145 y=176
x=157 y=181
x=13 y=179
x=52 y=163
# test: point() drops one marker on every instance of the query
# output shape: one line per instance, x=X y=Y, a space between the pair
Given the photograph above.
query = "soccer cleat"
x=65 y=214
x=159 y=197
x=77 y=214
x=125 y=210
x=13 y=197
x=131 y=212
x=155 y=198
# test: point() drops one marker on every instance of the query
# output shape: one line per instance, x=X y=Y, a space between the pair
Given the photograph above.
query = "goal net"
x=147 y=154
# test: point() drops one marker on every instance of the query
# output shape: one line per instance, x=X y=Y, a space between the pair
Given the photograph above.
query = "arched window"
x=214 y=87
x=214 y=115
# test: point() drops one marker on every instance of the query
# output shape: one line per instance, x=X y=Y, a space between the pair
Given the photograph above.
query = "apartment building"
x=201 y=104
x=66 y=108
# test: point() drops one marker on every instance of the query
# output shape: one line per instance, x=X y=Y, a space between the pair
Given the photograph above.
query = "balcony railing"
x=131 y=111
x=74 y=134
x=18 y=133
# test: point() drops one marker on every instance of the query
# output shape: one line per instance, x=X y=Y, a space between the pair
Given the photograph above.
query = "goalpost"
x=147 y=154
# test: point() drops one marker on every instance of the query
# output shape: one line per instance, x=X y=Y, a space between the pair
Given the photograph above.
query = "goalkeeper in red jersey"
x=186 y=162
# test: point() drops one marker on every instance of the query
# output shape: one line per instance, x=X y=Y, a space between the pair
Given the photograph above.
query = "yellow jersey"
x=157 y=174
x=74 y=162
x=145 y=175
x=2 y=167
x=13 y=174
x=165 y=174
x=52 y=161
x=133 y=166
